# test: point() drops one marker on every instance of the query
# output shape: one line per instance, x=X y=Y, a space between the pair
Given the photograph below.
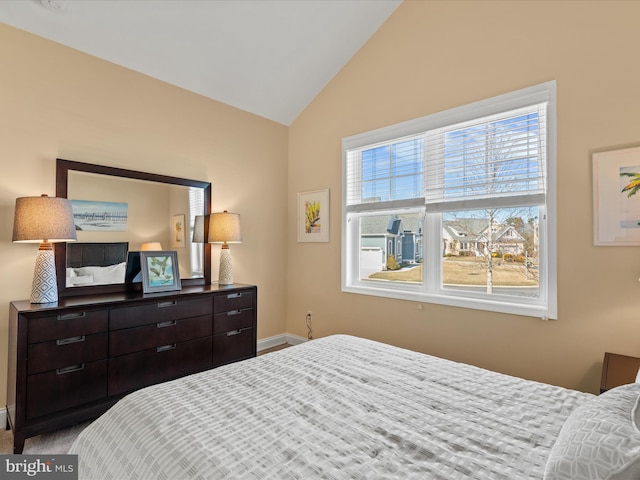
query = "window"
x=456 y=208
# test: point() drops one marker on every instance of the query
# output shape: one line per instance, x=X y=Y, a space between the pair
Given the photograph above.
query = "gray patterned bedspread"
x=340 y=407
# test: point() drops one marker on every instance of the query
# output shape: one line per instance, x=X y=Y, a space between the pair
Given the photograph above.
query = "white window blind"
x=196 y=201
x=494 y=161
x=387 y=175
x=491 y=162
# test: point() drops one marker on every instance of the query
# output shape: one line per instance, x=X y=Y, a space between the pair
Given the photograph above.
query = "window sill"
x=494 y=304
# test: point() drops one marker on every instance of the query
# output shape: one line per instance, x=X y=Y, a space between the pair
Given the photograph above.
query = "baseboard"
x=3 y=417
x=285 y=338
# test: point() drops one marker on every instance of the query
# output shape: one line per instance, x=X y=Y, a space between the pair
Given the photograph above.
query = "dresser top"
x=105 y=299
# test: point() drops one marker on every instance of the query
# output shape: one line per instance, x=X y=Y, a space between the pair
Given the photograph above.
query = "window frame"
x=431 y=290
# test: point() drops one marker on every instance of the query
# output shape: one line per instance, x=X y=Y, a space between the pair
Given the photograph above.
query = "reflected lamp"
x=151 y=247
x=200 y=229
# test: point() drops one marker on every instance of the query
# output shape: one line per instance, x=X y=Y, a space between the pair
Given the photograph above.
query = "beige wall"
x=431 y=56
x=58 y=102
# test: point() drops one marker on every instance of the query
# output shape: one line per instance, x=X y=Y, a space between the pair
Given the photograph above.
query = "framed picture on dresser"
x=160 y=271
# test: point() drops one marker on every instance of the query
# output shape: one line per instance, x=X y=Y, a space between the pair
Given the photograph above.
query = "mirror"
x=143 y=207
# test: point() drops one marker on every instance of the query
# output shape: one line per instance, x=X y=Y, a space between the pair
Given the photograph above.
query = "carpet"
x=57 y=442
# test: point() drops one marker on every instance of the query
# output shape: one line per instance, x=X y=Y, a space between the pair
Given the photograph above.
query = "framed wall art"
x=159 y=271
x=95 y=216
x=616 y=197
x=177 y=231
x=313 y=216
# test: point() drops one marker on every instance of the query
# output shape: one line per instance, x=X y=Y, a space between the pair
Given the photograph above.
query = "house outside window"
x=456 y=208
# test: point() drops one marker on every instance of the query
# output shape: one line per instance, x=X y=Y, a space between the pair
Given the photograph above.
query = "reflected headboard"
x=96 y=254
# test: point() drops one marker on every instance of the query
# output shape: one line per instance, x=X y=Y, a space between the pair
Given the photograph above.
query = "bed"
x=96 y=263
x=343 y=407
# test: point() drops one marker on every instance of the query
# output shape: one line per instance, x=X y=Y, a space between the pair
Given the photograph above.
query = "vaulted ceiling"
x=268 y=57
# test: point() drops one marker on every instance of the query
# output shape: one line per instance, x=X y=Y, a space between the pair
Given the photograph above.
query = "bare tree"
x=492 y=158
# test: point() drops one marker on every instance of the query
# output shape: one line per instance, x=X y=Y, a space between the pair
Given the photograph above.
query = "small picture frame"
x=616 y=197
x=177 y=231
x=159 y=271
x=313 y=216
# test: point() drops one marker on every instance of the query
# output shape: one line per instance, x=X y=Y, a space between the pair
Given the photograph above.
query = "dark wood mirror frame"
x=62 y=176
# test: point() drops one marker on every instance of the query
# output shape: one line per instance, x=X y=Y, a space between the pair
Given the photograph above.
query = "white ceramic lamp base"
x=45 y=286
x=225 y=276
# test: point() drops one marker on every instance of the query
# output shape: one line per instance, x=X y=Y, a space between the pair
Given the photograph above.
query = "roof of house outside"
x=379 y=224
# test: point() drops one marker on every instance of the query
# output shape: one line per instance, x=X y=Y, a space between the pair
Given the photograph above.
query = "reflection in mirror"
x=114 y=209
x=116 y=213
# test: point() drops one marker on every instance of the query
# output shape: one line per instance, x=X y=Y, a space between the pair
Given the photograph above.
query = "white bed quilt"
x=340 y=407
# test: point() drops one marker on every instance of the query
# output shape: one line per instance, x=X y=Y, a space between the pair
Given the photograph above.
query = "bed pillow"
x=600 y=440
x=80 y=280
x=70 y=273
x=105 y=275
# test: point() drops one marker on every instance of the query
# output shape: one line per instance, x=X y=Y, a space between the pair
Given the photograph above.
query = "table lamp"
x=151 y=247
x=200 y=229
x=225 y=228
x=43 y=220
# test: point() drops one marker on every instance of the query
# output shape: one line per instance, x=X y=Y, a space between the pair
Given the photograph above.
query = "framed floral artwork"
x=616 y=197
x=177 y=231
x=313 y=216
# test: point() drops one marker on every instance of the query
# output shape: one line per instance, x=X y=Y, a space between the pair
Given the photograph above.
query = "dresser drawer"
x=65 y=388
x=233 y=320
x=233 y=301
x=70 y=324
x=132 y=340
x=158 y=312
x=66 y=351
x=233 y=346
x=158 y=364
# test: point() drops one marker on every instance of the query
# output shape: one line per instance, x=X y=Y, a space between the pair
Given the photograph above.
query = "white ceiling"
x=268 y=57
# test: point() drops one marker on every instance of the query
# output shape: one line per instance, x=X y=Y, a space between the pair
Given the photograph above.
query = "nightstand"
x=618 y=370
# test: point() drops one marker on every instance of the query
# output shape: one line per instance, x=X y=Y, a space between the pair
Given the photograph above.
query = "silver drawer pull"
x=234 y=312
x=67 y=341
x=233 y=332
x=170 y=323
x=234 y=295
x=170 y=303
x=70 y=369
x=69 y=316
x=165 y=348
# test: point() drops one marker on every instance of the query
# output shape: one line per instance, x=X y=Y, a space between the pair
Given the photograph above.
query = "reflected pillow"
x=81 y=280
x=104 y=275
x=600 y=440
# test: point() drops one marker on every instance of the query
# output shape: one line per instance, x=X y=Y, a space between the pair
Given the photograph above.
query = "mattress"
x=339 y=407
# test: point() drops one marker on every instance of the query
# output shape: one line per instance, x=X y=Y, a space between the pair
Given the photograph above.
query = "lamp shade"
x=200 y=229
x=224 y=228
x=43 y=218
x=151 y=247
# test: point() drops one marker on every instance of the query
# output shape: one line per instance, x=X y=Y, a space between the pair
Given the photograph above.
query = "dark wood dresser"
x=70 y=362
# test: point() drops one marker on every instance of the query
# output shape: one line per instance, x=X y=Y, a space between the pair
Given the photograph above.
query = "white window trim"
x=546 y=306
